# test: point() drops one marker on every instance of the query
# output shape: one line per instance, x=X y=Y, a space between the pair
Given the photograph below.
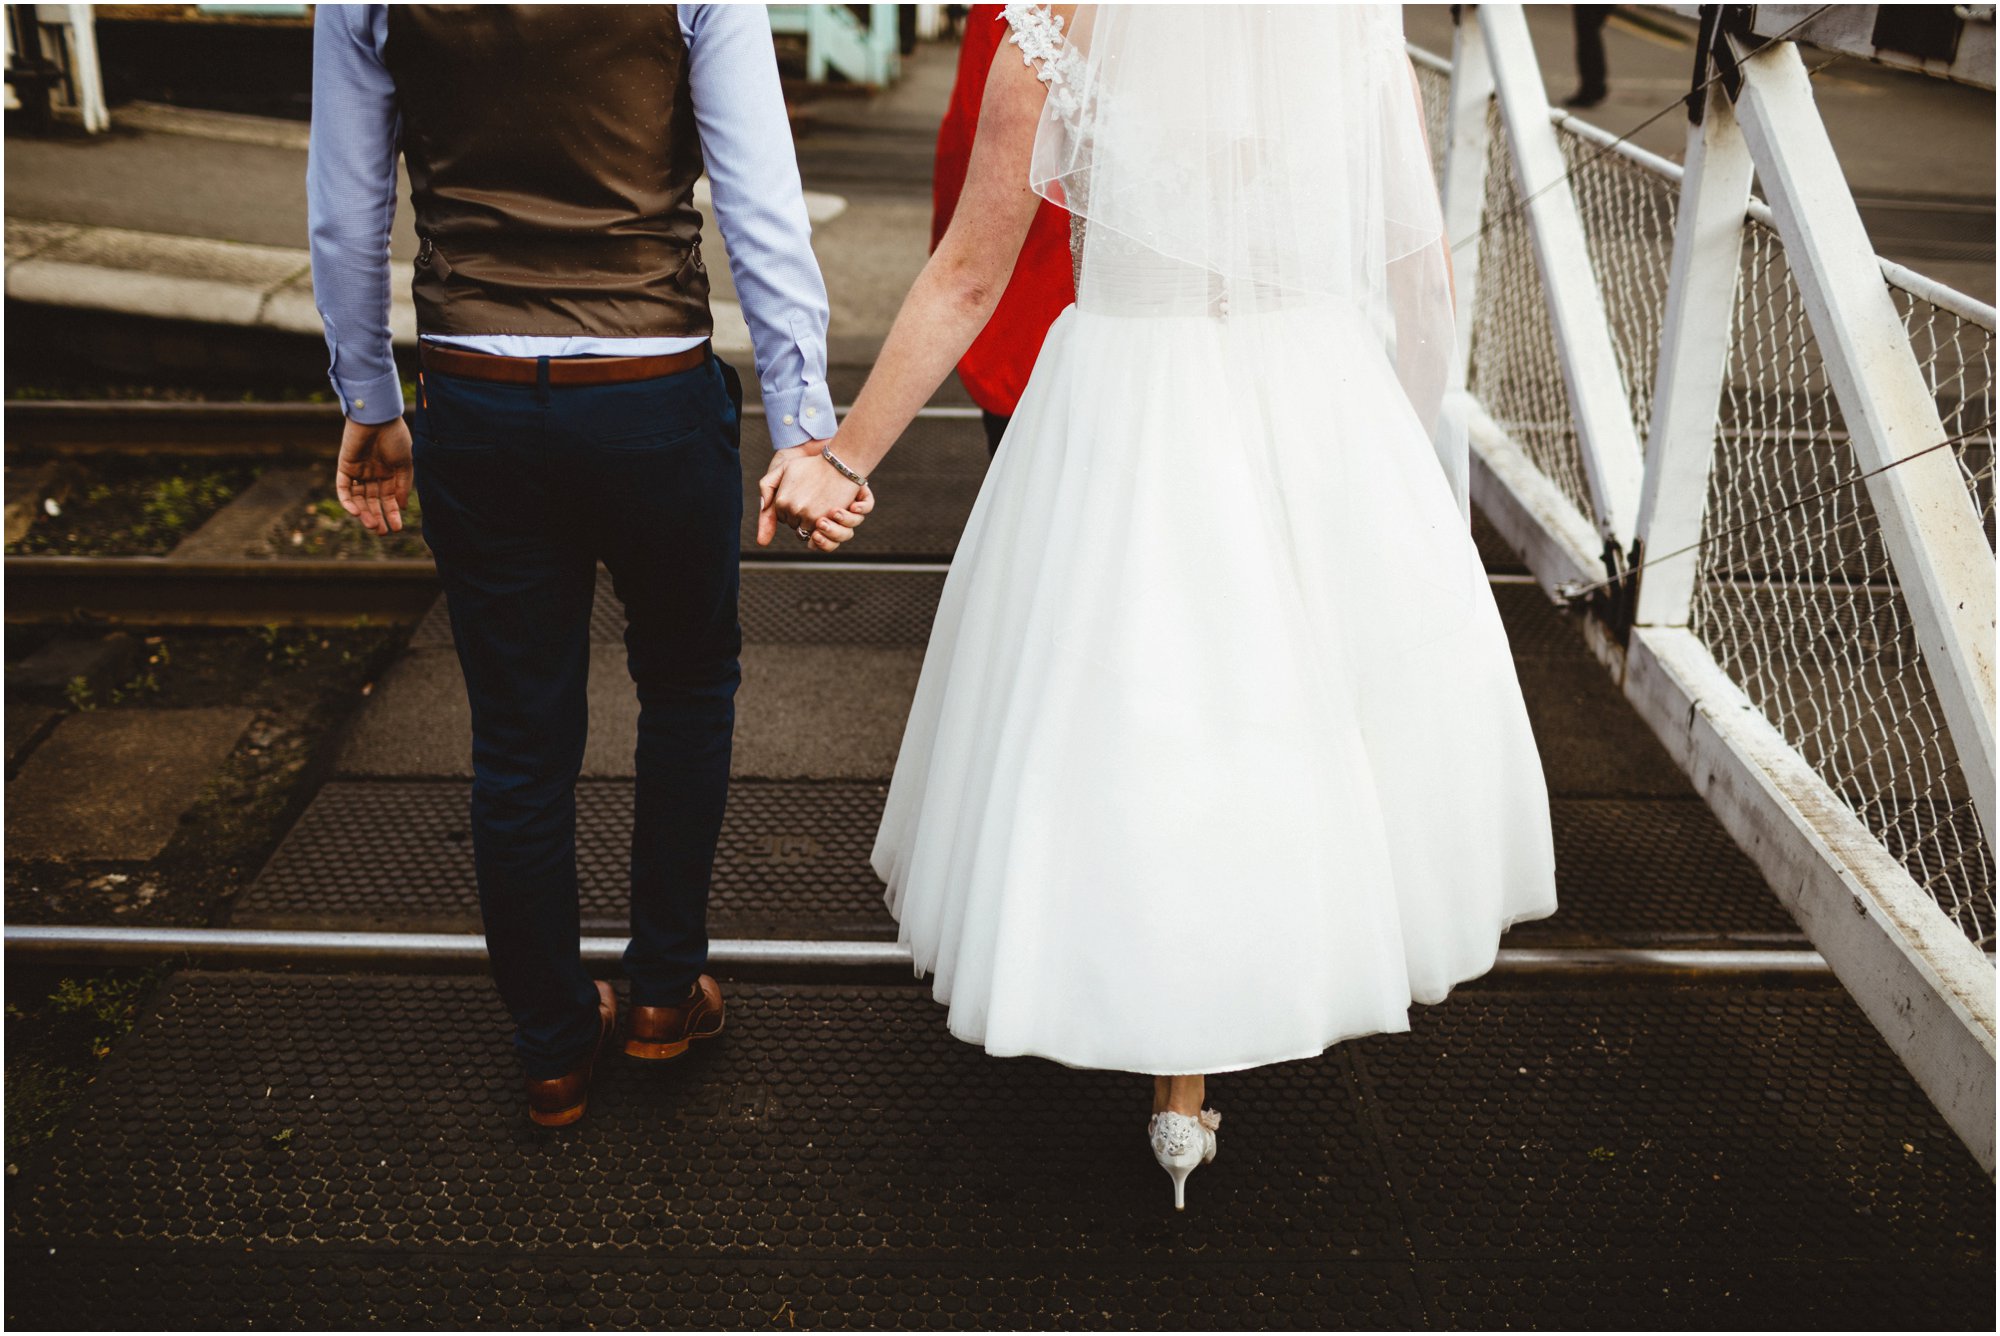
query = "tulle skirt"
x=1218 y=755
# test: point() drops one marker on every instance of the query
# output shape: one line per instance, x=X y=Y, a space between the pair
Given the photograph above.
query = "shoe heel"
x=1181 y=1143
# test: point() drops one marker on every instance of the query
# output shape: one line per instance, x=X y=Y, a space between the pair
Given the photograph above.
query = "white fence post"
x=84 y=72
x=1598 y=403
x=1694 y=356
x=1931 y=531
x=1916 y=964
x=1463 y=189
x=12 y=102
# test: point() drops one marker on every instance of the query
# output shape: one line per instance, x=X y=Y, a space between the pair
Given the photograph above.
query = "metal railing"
x=1786 y=534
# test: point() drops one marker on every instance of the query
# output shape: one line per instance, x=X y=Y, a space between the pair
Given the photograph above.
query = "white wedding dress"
x=1218 y=756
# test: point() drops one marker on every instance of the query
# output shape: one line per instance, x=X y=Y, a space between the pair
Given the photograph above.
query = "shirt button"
x=788 y=419
x=361 y=403
x=812 y=412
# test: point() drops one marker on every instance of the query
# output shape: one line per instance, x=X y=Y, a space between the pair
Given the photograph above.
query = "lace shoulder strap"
x=1038 y=32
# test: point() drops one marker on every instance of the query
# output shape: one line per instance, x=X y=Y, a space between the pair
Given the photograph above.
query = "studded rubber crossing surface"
x=268 y=1150
x=793 y=862
x=789 y=605
x=802 y=606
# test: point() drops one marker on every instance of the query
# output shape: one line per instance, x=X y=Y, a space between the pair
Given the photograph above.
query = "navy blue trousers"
x=525 y=489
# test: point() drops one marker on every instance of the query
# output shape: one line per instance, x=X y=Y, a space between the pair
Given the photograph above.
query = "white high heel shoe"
x=1180 y=1143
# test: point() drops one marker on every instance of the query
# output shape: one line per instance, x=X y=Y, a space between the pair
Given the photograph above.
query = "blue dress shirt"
x=746 y=143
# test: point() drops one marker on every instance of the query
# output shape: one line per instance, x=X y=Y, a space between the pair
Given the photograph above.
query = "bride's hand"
x=801 y=491
x=837 y=528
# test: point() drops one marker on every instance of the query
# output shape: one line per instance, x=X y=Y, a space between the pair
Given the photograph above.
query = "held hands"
x=372 y=477
x=810 y=497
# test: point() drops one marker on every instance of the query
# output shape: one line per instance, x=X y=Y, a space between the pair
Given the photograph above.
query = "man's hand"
x=803 y=491
x=372 y=478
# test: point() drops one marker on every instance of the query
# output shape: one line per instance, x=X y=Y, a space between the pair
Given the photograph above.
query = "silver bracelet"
x=826 y=453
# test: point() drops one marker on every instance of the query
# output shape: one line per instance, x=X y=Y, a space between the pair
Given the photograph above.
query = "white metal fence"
x=1813 y=645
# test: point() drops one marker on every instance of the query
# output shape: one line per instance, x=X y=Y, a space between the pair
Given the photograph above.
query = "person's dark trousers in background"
x=525 y=488
x=1590 y=70
x=996 y=427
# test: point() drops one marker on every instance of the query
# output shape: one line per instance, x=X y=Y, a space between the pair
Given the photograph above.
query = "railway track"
x=40 y=429
x=207 y=581
x=168 y=591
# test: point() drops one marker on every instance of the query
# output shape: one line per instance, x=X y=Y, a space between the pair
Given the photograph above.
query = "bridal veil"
x=1274 y=154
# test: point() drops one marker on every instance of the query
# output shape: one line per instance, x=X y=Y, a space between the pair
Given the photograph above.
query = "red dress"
x=996 y=366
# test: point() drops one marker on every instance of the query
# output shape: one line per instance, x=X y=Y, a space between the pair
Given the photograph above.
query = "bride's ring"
x=805 y=533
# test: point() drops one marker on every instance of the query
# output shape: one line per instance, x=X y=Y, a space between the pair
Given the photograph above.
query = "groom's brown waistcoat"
x=553 y=154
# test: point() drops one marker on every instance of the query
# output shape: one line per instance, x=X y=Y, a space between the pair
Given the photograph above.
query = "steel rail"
x=178 y=591
x=266 y=947
x=37 y=428
x=318 y=591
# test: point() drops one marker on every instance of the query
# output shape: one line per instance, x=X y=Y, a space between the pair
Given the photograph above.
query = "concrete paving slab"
x=243 y=527
x=195 y=258
x=152 y=274
x=169 y=277
x=419 y=725
x=27 y=237
x=112 y=784
x=97 y=662
x=1592 y=745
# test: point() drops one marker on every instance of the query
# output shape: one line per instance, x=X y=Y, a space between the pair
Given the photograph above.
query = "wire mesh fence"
x=1795 y=597
x=1801 y=606
x=1516 y=371
x=1628 y=215
x=1434 y=87
x=1956 y=354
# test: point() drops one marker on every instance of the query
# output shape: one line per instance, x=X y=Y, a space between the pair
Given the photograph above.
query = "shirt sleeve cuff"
x=371 y=401
x=799 y=415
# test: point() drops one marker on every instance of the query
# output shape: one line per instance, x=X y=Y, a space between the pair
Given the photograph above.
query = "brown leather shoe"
x=558 y=1101
x=666 y=1032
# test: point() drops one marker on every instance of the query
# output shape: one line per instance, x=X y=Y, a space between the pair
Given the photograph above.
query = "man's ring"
x=805 y=532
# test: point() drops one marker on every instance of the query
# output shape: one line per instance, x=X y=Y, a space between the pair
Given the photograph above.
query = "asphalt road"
x=1919 y=152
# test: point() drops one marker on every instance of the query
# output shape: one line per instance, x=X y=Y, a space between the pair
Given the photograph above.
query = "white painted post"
x=1597 y=399
x=884 y=44
x=12 y=102
x=817 y=25
x=1463 y=190
x=1928 y=525
x=84 y=70
x=1694 y=356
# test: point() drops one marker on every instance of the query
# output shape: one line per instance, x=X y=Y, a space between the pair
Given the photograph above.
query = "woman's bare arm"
x=1423 y=130
x=946 y=308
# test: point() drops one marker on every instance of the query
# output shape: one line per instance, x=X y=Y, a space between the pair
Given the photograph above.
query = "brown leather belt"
x=562 y=370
